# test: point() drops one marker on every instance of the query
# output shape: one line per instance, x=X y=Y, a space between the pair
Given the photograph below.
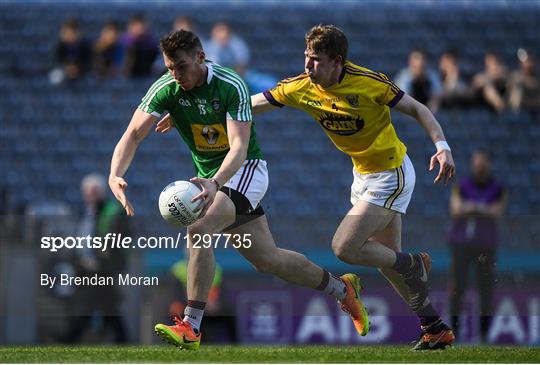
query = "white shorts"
x=251 y=180
x=391 y=189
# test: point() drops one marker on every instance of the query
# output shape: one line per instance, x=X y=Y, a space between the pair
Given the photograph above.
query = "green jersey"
x=200 y=114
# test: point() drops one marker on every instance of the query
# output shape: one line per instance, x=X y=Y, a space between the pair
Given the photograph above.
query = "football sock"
x=430 y=320
x=404 y=263
x=332 y=285
x=193 y=314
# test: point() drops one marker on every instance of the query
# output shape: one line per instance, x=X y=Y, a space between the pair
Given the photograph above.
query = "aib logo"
x=210 y=134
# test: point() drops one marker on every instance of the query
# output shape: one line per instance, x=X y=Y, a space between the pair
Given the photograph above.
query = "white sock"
x=335 y=287
x=194 y=317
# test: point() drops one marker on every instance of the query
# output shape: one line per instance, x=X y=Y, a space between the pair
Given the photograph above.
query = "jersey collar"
x=341 y=75
x=337 y=84
x=210 y=71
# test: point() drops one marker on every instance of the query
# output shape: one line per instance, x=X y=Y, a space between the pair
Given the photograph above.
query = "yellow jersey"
x=354 y=113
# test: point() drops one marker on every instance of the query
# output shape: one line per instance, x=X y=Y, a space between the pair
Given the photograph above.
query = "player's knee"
x=195 y=229
x=342 y=250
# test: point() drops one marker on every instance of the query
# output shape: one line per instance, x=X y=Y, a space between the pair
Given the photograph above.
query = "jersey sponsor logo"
x=184 y=102
x=342 y=125
x=210 y=137
x=332 y=100
x=353 y=100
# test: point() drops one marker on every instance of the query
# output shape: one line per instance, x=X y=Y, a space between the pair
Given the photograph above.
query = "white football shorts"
x=251 y=180
x=391 y=189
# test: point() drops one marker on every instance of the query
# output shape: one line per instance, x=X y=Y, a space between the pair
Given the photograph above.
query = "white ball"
x=175 y=203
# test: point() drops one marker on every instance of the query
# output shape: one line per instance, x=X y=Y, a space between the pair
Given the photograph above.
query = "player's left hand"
x=207 y=195
x=447 y=168
x=165 y=124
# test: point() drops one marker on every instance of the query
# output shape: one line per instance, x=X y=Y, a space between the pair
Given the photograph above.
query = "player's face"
x=321 y=69
x=187 y=69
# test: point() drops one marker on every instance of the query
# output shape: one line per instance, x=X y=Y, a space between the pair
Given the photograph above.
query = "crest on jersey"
x=352 y=99
x=216 y=105
x=210 y=134
x=342 y=125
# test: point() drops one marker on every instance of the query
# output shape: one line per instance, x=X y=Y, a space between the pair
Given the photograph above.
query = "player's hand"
x=447 y=168
x=207 y=195
x=118 y=186
x=165 y=124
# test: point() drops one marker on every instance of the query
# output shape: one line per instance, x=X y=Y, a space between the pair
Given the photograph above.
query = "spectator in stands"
x=102 y=216
x=419 y=81
x=186 y=23
x=108 y=51
x=183 y=22
x=490 y=85
x=476 y=205
x=140 y=48
x=227 y=48
x=455 y=92
x=72 y=53
x=525 y=85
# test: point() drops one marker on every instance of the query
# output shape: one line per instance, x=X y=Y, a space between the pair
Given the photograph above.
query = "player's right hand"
x=207 y=195
x=118 y=186
x=165 y=124
x=447 y=167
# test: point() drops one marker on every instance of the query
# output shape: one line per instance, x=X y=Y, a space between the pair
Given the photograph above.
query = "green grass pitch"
x=266 y=354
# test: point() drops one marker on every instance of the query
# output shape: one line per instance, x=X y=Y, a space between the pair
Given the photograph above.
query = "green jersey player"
x=210 y=107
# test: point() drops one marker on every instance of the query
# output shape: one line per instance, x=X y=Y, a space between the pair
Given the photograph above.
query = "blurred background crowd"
x=442 y=83
x=72 y=74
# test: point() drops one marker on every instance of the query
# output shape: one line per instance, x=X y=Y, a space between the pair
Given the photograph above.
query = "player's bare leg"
x=295 y=268
x=351 y=242
x=263 y=254
x=201 y=263
x=201 y=269
x=391 y=238
x=358 y=240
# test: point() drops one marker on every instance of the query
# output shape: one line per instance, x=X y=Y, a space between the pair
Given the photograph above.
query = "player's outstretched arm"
x=260 y=104
x=443 y=156
x=124 y=152
x=238 y=134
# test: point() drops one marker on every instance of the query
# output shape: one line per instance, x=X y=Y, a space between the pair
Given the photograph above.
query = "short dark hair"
x=452 y=53
x=482 y=152
x=112 y=24
x=71 y=23
x=328 y=39
x=180 y=40
x=138 y=18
